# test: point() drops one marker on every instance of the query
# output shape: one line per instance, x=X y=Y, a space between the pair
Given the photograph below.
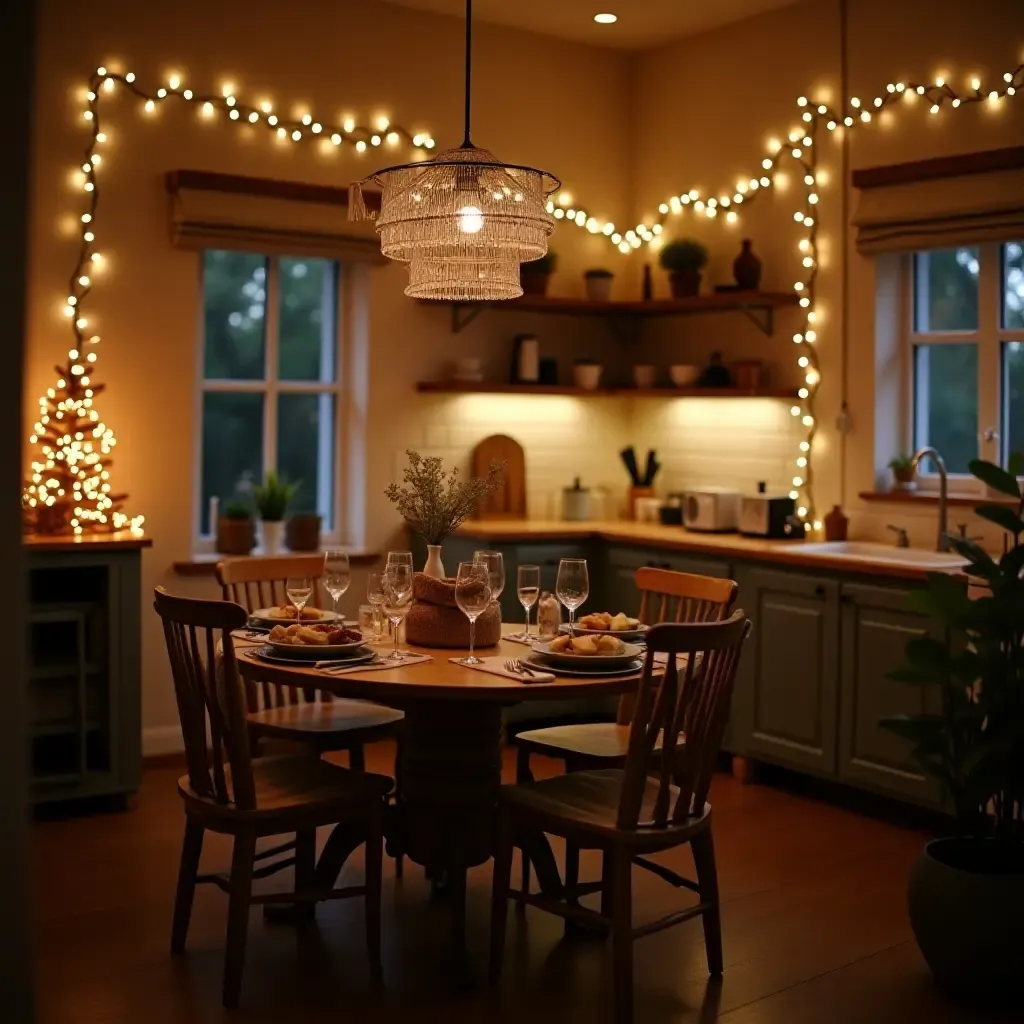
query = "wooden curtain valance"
x=210 y=210
x=941 y=203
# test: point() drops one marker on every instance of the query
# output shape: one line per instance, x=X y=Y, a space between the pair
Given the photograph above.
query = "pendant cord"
x=466 y=142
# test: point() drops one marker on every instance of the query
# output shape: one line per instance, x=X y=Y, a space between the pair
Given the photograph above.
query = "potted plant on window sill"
x=904 y=473
x=236 y=531
x=966 y=892
x=684 y=259
x=271 y=499
x=302 y=531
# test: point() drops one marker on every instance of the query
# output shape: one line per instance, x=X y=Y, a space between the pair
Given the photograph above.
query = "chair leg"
x=499 y=895
x=399 y=750
x=191 y=848
x=357 y=758
x=240 y=882
x=374 y=869
x=305 y=869
x=572 y=879
x=523 y=774
x=703 y=848
x=622 y=935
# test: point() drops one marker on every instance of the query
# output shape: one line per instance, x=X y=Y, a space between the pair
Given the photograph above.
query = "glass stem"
x=572 y=622
x=472 y=636
x=527 y=621
x=394 y=626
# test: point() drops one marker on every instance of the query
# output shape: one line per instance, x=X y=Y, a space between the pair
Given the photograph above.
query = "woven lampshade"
x=463 y=280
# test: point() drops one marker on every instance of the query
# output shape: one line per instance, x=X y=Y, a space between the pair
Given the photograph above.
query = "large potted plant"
x=535 y=275
x=271 y=499
x=684 y=259
x=966 y=893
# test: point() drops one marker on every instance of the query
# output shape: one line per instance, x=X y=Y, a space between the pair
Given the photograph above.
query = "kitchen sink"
x=855 y=549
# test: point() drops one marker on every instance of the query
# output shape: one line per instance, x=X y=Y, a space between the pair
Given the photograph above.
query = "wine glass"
x=399 y=558
x=375 y=595
x=528 y=590
x=299 y=590
x=495 y=570
x=337 y=574
x=397 y=600
x=473 y=596
x=572 y=585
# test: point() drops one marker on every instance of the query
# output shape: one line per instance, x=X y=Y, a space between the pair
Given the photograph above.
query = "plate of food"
x=315 y=643
x=620 y=625
x=273 y=655
x=286 y=613
x=593 y=651
x=586 y=667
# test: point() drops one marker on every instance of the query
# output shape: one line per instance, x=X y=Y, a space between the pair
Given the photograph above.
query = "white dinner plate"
x=543 y=663
x=263 y=617
x=625 y=635
x=569 y=660
x=316 y=652
x=275 y=657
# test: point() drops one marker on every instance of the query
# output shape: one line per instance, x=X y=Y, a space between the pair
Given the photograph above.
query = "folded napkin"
x=521 y=638
x=376 y=665
x=253 y=636
x=495 y=666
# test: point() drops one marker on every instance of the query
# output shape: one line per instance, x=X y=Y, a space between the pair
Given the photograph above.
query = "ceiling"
x=641 y=24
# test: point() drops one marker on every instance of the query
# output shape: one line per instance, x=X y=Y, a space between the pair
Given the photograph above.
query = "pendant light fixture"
x=464 y=221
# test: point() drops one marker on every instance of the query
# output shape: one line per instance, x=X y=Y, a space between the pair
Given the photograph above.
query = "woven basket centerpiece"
x=435 y=620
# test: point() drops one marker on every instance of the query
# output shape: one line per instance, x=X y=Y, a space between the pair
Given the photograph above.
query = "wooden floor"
x=814 y=920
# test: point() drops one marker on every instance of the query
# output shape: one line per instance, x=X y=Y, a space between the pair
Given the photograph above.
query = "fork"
x=518 y=668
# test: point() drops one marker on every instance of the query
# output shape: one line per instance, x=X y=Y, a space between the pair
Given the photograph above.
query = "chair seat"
x=589 y=801
x=294 y=784
x=599 y=741
x=325 y=721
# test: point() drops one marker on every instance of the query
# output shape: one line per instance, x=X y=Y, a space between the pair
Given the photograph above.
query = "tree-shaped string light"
x=68 y=490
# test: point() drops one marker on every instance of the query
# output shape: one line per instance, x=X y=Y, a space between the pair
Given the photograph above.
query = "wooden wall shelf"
x=759 y=307
x=488 y=388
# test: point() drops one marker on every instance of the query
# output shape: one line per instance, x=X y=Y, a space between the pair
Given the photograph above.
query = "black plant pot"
x=966 y=902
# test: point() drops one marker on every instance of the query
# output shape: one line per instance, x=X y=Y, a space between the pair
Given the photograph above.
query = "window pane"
x=1013 y=286
x=307 y=313
x=232 y=447
x=946 y=290
x=1013 y=397
x=234 y=301
x=305 y=451
x=946 y=402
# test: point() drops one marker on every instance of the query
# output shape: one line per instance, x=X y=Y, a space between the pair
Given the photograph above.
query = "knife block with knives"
x=641 y=483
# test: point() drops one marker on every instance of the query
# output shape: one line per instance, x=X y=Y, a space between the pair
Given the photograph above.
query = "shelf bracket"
x=464 y=313
x=765 y=322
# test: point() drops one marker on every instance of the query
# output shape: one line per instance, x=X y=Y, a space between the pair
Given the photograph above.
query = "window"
x=966 y=353
x=269 y=379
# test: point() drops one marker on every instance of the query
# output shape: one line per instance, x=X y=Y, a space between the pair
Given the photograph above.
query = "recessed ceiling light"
x=606 y=19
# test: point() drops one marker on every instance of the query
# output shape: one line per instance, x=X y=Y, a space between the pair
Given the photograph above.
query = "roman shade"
x=938 y=204
x=221 y=211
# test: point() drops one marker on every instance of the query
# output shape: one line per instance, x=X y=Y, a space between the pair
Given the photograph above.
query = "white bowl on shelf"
x=683 y=375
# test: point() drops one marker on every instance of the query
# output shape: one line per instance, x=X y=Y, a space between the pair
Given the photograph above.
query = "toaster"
x=763 y=515
x=711 y=509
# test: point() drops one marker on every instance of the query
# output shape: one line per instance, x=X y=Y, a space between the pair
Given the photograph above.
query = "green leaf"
x=919 y=729
x=1002 y=516
x=928 y=655
x=1015 y=464
x=1012 y=562
x=995 y=477
x=980 y=561
x=945 y=597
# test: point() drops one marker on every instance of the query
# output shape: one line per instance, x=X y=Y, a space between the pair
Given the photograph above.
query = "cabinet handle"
x=819 y=590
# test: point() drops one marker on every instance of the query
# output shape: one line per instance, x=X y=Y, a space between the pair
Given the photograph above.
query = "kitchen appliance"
x=763 y=515
x=671 y=513
x=576 y=503
x=711 y=509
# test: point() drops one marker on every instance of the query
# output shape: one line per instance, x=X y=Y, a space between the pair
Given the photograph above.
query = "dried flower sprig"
x=435 y=505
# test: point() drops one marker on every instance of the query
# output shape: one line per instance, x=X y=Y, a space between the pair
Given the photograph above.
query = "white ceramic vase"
x=270 y=536
x=434 y=566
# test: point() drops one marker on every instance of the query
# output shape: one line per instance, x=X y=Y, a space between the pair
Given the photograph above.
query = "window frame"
x=271 y=387
x=989 y=337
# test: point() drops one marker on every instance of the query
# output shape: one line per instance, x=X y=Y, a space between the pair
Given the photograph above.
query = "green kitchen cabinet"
x=622 y=562
x=786 y=700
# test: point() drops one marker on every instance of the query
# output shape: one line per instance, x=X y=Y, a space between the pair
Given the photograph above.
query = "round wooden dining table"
x=449 y=760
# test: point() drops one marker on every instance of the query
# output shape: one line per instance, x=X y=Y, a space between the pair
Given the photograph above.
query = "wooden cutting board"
x=510 y=501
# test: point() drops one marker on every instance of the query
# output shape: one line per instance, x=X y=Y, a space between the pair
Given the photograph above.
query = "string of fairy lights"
x=78 y=459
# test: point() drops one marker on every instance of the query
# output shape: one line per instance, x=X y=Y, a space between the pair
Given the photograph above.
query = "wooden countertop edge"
x=206 y=564
x=86 y=542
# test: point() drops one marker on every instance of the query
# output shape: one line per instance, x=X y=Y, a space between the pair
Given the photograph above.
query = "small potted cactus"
x=684 y=259
x=598 y=283
x=535 y=275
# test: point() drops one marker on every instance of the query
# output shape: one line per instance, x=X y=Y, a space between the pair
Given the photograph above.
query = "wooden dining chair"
x=228 y=791
x=665 y=596
x=650 y=805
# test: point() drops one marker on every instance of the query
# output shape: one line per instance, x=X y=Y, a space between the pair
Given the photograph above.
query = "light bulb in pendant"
x=471 y=219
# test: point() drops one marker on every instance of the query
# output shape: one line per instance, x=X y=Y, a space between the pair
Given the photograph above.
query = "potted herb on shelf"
x=236 y=531
x=966 y=892
x=271 y=499
x=302 y=532
x=684 y=259
x=904 y=472
x=599 y=284
x=534 y=276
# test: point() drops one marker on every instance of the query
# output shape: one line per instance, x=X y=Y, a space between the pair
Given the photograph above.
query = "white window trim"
x=989 y=338
x=271 y=387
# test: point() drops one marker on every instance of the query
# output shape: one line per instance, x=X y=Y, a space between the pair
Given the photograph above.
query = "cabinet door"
x=876 y=625
x=623 y=562
x=785 y=704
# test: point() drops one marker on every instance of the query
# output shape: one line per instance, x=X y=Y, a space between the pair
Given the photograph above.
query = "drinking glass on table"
x=375 y=595
x=397 y=600
x=572 y=585
x=473 y=596
x=299 y=590
x=399 y=558
x=337 y=575
x=528 y=590
x=495 y=570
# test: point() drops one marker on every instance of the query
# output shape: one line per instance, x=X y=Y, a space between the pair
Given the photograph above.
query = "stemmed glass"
x=337 y=575
x=299 y=590
x=528 y=590
x=495 y=570
x=473 y=596
x=375 y=595
x=572 y=585
x=399 y=558
x=397 y=600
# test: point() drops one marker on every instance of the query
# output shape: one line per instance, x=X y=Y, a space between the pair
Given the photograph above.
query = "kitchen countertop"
x=677 y=538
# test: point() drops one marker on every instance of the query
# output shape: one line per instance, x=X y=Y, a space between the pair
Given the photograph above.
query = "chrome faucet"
x=902 y=540
x=942 y=544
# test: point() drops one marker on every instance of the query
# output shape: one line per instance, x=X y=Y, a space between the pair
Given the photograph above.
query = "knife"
x=649 y=469
x=628 y=456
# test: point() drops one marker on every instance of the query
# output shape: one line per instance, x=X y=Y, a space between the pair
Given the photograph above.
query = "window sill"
x=205 y=564
x=932 y=498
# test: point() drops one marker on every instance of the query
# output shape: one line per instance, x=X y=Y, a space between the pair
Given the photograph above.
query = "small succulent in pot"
x=684 y=259
x=904 y=472
x=534 y=276
x=273 y=496
x=598 y=282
